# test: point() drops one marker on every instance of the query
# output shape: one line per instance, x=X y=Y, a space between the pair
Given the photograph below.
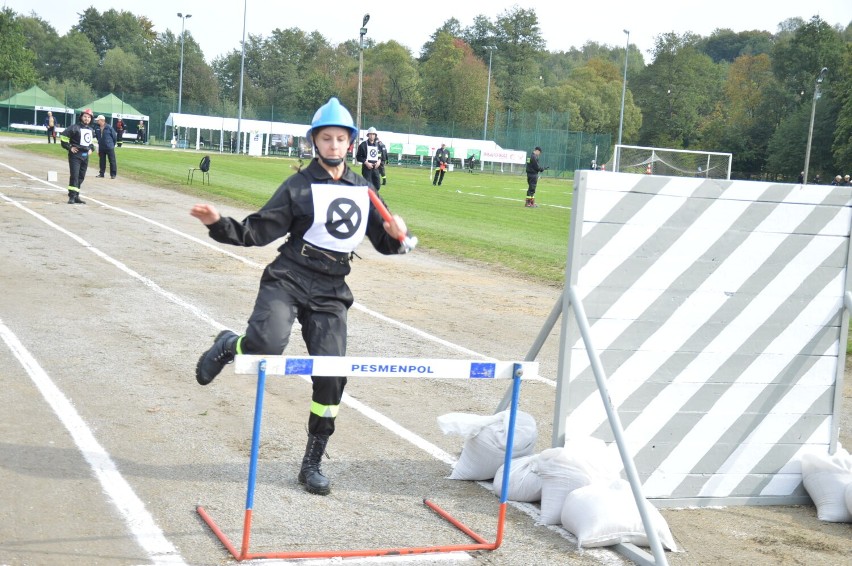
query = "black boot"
x=77 y=199
x=219 y=355
x=310 y=475
x=71 y=198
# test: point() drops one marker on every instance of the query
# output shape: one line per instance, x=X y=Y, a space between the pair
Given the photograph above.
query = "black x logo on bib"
x=343 y=218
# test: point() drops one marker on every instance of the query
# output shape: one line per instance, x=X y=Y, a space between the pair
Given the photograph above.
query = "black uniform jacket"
x=291 y=211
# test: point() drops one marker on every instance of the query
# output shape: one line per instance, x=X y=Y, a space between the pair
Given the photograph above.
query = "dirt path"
x=115 y=303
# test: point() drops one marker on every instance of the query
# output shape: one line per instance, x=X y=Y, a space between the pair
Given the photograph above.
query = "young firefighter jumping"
x=326 y=209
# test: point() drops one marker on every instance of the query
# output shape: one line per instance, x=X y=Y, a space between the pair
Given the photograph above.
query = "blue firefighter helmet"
x=332 y=113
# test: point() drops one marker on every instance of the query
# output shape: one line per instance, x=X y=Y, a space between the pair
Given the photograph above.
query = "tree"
x=727 y=45
x=842 y=146
x=135 y=34
x=797 y=59
x=40 y=39
x=519 y=40
x=746 y=115
x=677 y=92
x=454 y=82
x=17 y=63
x=452 y=27
x=82 y=65
x=119 y=72
x=391 y=82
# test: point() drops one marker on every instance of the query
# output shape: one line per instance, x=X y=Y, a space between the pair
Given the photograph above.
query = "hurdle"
x=381 y=368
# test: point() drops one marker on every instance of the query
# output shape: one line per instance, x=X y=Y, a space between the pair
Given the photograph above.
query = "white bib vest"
x=373 y=153
x=340 y=217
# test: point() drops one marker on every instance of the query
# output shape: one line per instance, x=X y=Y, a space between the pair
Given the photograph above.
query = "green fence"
x=563 y=150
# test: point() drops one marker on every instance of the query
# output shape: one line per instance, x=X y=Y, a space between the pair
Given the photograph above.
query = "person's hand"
x=73 y=149
x=207 y=213
x=397 y=228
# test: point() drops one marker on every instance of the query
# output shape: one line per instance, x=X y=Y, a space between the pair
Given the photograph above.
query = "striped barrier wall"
x=717 y=311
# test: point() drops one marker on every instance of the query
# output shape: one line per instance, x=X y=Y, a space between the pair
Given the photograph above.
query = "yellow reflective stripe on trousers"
x=325 y=411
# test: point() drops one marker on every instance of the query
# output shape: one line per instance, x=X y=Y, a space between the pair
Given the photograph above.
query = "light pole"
x=361 y=70
x=811 y=127
x=623 y=93
x=180 y=81
x=242 y=76
x=490 y=49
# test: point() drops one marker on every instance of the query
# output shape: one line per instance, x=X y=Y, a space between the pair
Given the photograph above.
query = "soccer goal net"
x=671 y=162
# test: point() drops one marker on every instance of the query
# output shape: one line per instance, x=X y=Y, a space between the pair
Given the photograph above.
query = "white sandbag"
x=524 y=483
x=849 y=498
x=603 y=514
x=562 y=470
x=826 y=478
x=485 y=451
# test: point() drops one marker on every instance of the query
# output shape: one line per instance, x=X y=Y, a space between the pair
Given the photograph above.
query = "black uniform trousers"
x=102 y=159
x=320 y=303
x=439 y=176
x=78 y=163
x=532 y=182
x=372 y=176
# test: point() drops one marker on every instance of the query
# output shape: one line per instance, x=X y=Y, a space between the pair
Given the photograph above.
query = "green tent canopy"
x=35 y=100
x=112 y=106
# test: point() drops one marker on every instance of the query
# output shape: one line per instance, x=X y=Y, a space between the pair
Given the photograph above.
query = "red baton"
x=383 y=210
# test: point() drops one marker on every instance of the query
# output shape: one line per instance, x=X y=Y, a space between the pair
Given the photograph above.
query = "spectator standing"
x=78 y=140
x=369 y=155
x=801 y=177
x=119 y=132
x=441 y=159
x=140 y=132
x=533 y=170
x=107 y=138
x=50 y=124
x=383 y=149
x=326 y=210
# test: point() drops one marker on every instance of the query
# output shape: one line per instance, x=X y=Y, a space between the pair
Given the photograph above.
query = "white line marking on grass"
x=136 y=517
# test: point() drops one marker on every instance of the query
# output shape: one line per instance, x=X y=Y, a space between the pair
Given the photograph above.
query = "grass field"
x=472 y=216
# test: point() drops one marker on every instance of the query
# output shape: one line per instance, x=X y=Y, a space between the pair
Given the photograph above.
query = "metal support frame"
x=293 y=366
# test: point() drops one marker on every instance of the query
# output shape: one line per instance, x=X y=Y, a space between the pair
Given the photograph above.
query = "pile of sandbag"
x=578 y=485
x=828 y=480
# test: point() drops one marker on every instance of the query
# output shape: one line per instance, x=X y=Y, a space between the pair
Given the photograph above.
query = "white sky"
x=563 y=24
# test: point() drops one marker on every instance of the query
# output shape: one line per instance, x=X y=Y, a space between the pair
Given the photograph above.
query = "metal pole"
x=490 y=49
x=180 y=81
x=363 y=32
x=242 y=72
x=623 y=95
x=811 y=127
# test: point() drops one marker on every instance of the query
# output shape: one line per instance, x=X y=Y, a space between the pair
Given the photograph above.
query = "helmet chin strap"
x=331 y=162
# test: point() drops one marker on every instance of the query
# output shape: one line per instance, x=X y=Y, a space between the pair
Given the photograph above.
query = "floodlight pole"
x=490 y=49
x=180 y=80
x=363 y=32
x=242 y=73
x=811 y=127
x=623 y=95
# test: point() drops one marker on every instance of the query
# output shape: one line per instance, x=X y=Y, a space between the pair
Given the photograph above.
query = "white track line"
x=136 y=517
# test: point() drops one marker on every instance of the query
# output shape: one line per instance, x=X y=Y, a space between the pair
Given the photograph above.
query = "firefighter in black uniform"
x=533 y=169
x=441 y=161
x=326 y=209
x=369 y=155
x=78 y=140
x=383 y=149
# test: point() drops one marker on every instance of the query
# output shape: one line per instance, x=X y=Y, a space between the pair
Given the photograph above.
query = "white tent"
x=248 y=128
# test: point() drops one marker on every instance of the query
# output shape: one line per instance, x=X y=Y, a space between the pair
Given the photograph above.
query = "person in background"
x=119 y=132
x=50 y=124
x=838 y=181
x=140 y=132
x=801 y=179
x=326 y=210
x=78 y=140
x=384 y=151
x=441 y=159
x=533 y=170
x=369 y=155
x=107 y=138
